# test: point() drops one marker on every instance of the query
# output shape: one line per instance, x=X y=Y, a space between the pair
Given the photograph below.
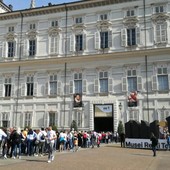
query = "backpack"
x=42 y=137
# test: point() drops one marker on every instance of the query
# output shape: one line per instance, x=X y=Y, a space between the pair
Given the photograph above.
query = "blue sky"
x=23 y=4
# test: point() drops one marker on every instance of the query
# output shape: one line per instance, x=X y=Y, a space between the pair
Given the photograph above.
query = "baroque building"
x=103 y=50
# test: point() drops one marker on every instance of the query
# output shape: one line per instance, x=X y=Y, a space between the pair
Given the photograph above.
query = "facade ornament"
x=130 y=21
x=32 y=34
x=78 y=27
x=159 y=18
x=10 y=36
x=54 y=31
x=104 y=24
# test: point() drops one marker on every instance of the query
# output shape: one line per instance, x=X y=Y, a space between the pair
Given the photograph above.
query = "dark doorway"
x=103 y=117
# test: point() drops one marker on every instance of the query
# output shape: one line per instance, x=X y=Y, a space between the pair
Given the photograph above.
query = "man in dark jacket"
x=154 y=143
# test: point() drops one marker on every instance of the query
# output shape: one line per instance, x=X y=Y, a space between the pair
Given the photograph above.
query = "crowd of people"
x=15 y=142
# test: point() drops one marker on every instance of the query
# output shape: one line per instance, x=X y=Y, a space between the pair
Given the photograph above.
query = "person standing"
x=51 y=136
x=154 y=143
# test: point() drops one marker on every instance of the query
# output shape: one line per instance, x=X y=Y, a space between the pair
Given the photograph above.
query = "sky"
x=25 y=4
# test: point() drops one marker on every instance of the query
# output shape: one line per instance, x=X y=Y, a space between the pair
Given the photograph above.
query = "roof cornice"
x=59 y=8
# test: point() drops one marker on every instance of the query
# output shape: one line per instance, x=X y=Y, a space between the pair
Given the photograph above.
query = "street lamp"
x=120 y=108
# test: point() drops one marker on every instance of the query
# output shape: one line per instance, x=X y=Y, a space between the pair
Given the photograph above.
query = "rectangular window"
x=133 y=115
x=28 y=117
x=159 y=9
x=32 y=26
x=79 y=42
x=103 y=79
x=78 y=82
x=11 y=49
x=30 y=85
x=53 y=47
x=103 y=17
x=130 y=13
x=163 y=84
x=54 y=23
x=79 y=20
x=53 y=85
x=52 y=118
x=131 y=37
x=5 y=119
x=8 y=87
x=104 y=40
x=11 y=29
x=32 y=47
x=161 y=33
x=132 y=80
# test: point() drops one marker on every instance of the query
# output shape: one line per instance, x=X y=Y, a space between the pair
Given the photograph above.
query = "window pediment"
x=31 y=34
x=78 y=27
x=159 y=17
x=10 y=36
x=54 y=31
x=130 y=21
x=104 y=24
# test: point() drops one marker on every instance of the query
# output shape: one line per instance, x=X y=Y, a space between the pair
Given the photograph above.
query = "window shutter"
x=169 y=80
x=124 y=84
x=13 y=90
x=1 y=49
x=57 y=44
x=97 y=40
x=4 y=50
x=56 y=119
x=47 y=89
x=84 y=41
x=22 y=119
x=71 y=87
x=59 y=92
x=139 y=83
x=110 y=38
x=1 y=90
x=124 y=37
x=84 y=86
x=35 y=88
x=110 y=85
x=154 y=83
x=14 y=48
x=72 y=43
x=0 y=118
x=25 y=49
x=46 y=119
x=138 y=36
x=96 y=86
x=23 y=88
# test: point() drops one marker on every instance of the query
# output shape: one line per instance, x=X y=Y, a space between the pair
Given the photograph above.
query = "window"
x=77 y=117
x=103 y=79
x=8 y=87
x=5 y=120
x=131 y=36
x=132 y=80
x=52 y=118
x=53 y=85
x=11 y=49
x=130 y=13
x=32 y=47
x=78 y=82
x=103 y=17
x=54 y=44
x=32 y=26
x=79 y=42
x=104 y=40
x=54 y=23
x=162 y=79
x=133 y=115
x=164 y=114
x=30 y=85
x=161 y=33
x=78 y=20
x=159 y=9
x=11 y=29
x=28 y=117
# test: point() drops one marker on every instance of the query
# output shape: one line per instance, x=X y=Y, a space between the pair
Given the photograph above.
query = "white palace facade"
x=102 y=49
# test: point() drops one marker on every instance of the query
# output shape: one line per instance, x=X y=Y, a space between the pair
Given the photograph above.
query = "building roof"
x=4 y=7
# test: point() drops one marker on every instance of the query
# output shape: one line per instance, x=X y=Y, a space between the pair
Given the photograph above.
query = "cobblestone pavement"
x=107 y=157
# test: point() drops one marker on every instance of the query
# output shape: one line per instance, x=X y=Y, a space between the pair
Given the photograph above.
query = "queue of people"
x=15 y=142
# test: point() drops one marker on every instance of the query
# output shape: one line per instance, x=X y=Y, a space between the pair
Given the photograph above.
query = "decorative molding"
x=130 y=21
x=103 y=68
x=159 y=18
x=78 y=27
x=104 y=24
x=54 y=31
x=78 y=70
x=9 y=75
x=32 y=34
x=10 y=36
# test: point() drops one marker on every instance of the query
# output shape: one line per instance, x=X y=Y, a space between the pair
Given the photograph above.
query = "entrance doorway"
x=103 y=117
